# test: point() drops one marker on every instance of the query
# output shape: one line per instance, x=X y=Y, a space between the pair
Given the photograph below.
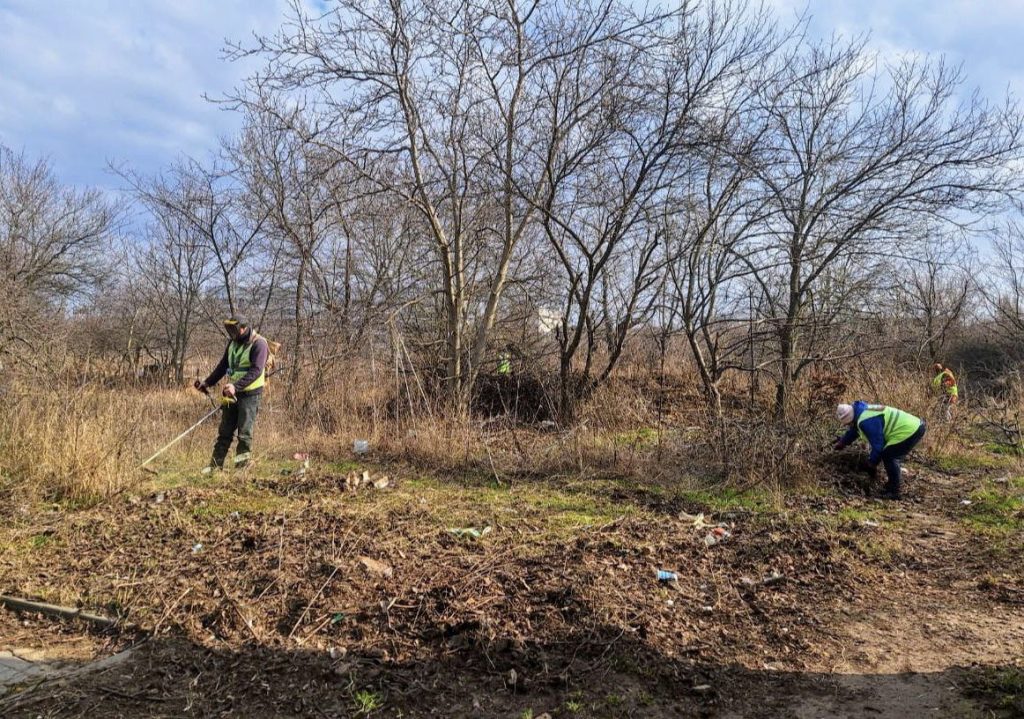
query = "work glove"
x=201 y=386
x=229 y=390
x=869 y=469
x=837 y=443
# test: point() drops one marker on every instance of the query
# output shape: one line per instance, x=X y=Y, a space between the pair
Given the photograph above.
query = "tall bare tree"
x=625 y=110
x=855 y=156
x=53 y=242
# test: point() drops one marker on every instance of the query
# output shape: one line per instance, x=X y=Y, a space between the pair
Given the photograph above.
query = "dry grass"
x=81 y=443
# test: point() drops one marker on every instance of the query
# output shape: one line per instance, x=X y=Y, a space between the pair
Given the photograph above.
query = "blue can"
x=666 y=576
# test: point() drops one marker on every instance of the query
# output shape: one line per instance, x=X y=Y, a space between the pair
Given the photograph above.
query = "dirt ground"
x=267 y=593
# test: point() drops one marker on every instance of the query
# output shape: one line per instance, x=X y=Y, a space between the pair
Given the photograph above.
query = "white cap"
x=844 y=413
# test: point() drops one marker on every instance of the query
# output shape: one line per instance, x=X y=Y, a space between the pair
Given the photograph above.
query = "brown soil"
x=279 y=613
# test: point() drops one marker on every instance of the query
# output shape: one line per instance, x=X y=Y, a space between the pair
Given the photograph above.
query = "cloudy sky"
x=84 y=82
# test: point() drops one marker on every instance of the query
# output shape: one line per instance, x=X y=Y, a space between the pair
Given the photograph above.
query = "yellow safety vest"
x=239 y=362
x=897 y=425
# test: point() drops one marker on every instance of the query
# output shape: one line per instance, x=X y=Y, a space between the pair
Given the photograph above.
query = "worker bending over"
x=891 y=433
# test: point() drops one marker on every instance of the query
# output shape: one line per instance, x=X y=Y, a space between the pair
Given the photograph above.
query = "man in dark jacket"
x=244 y=365
x=891 y=434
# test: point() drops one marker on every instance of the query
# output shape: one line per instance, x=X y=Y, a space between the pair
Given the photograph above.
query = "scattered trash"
x=352 y=481
x=702 y=688
x=375 y=567
x=361 y=446
x=697 y=520
x=748 y=583
x=966 y=502
x=337 y=652
x=381 y=482
x=197 y=548
x=773 y=578
x=338 y=618
x=300 y=457
x=667 y=576
x=716 y=535
x=235 y=515
x=870 y=523
x=469 y=532
x=159 y=497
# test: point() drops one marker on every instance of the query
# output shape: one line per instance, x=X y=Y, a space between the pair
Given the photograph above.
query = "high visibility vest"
x=505 y=364
x=947 y=381
x=239 y=362
x=897 y=425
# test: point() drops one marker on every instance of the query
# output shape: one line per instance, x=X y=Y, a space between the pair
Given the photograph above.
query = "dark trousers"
x=239 y=417
x=892 y=455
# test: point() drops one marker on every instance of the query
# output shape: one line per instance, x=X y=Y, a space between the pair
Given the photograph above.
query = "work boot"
x=890 y=492
x=210 y=469
x=243 y=460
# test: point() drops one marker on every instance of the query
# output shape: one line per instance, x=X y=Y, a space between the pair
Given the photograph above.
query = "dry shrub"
x=83 y=442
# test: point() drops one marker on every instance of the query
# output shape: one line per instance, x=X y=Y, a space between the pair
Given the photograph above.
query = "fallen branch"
x=315 y=597
x=52 y=610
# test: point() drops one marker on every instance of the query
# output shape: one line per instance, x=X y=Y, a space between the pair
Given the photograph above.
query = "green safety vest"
x=950 y=389
x=239 y=363
x=897 y=424
x=505 y=364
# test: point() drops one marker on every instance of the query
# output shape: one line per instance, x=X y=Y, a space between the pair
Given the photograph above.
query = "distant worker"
x=244 y=364
x=945 y=383
x=505 y=363
x=891 y=434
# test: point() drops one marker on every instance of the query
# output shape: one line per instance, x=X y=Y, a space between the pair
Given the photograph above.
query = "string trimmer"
x=224 y=402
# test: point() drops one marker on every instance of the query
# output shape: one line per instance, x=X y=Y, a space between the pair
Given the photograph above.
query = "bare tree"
x=52 y=248
x=625 y=111
x=435 y=104
x=293 y=185
x=173 y=272
x=854 y=157
x=209 y=202
x=1005 y=288
x=938 y=293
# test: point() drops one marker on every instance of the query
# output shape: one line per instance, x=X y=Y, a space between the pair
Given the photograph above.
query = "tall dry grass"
x=84 y=442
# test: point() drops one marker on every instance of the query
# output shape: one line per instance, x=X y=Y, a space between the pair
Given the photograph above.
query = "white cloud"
x=84 y=81
x=984 y=36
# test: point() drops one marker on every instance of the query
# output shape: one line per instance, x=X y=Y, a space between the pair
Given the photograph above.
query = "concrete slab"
x=14 y=671
x=27 y=665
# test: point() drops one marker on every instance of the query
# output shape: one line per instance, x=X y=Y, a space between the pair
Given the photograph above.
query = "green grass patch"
x=367 y=702
x=641 y=438
x=724 y=499
x=1004 y=449
x=878 y=548
x=997 y=509
x=39 y=541
x=226 y=503
x=1002 y=689
x=959 y=462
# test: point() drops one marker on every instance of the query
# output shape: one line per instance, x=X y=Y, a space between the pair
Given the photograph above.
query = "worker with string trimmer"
x=244 y=364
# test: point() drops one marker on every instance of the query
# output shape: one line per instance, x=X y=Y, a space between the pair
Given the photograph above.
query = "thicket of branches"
x=431 y=185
